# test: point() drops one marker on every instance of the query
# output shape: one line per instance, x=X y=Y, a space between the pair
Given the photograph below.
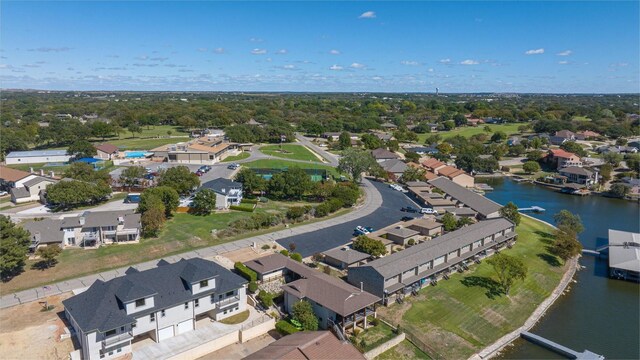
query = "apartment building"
x=159 y=303
x=415 y=267
x=461 y=196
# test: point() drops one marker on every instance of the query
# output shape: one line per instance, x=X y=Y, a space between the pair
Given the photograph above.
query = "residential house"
x=433 y=200
x=333 y=300
x=493 y=120
x=336 y=135
x=579 y=175
x=417 y=266
x=308 y=345
x=30 y=190
x=438 y=168
x=106 y=151
x=389 y=126
x=344 y=257
x=566 y=134
x=159 y=304
x=10 y=178
x=561 y=158
x=424 y=227
x=394 y=167
x=485 y=208
x=228 y=192
x=557 y=140
x=90 y=229
x=422 y=150
x=587 y=135
x=513 y=141
x=624 y=255
x=383 y=136
x=381 y=155
x=37 y=157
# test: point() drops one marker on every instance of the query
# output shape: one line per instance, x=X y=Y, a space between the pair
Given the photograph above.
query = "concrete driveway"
x=311 y=243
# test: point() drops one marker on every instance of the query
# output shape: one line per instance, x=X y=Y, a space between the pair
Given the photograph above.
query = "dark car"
x=409 y=209
x=407 y=218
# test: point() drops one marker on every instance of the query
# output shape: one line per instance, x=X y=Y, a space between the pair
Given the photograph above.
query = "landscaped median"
x=462 y=315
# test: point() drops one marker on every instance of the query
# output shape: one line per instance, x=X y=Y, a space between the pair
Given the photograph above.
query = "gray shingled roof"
x=576 y=171
x=460 y=210
x=402 y=232
x=409 y=258
x=104 y=218
x=346 y=255
x=36 y=180
x=381 y=153
x=475 y=201
x=222 y=185
x=394 y=166
x=308 y=345
x=20 y=193
x=49 y=231
x=100 y=307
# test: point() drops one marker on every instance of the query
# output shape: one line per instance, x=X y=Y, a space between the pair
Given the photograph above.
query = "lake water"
x=598 y=314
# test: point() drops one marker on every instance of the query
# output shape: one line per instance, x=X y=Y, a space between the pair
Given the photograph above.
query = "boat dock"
x=535 y=209
x=483 y=187
x=559 y=349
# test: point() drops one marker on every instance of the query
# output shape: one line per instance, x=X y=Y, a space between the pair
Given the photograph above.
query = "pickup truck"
x=409 y=209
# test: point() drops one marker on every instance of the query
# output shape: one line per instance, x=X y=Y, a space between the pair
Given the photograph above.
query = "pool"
x=134 y=154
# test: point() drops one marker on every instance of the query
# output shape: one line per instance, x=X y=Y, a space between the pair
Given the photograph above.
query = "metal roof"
x=34 y=153
x=624 y=250
x=475 y=201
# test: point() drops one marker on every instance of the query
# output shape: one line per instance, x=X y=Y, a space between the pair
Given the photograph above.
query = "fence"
x=415 y=340
x=262 y=319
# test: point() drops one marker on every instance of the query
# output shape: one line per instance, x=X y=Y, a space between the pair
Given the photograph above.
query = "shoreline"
x=495 y=348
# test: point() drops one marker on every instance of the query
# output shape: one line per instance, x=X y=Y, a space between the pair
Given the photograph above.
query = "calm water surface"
x=598 y=313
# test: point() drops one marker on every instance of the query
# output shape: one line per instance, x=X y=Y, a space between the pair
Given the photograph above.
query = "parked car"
x=429 y=211
x=360 y=230
x=199 y=173
x=233 y=166
x=407 y=218
x=409 y=209
x=3 y=193
x=149 y=176
x=204 y=168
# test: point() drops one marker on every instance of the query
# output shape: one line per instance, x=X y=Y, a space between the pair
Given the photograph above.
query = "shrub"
x=411 y=242
x=245 y=272
x=285 y=328
x=295 y=213
x=285 y=252
x=356 y=332
x=375 y=322
x=265 y=247
x=253 y=287
x=249 y=201
x=322 y=210
x=348 y=195
x=297 y=257
x=265 y=298
x=241 y=208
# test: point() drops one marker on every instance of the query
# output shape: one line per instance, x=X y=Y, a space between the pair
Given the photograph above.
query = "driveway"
x=311 y=243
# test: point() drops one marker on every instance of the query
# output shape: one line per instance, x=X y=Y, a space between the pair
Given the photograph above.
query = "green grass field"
x=469 y=131
x=243 y=155
x=279 y=164
x=462 y=315
x=289 y=151
x=404 y=350
x=376 y=336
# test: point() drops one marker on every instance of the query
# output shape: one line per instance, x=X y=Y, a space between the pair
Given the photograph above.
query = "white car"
x=429 y=211
x=3 y=193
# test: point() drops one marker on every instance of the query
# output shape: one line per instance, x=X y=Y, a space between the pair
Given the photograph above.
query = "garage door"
x=185 y=326
x=166 y=333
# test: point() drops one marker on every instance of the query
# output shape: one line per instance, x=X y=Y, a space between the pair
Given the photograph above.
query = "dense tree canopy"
x=14 y=245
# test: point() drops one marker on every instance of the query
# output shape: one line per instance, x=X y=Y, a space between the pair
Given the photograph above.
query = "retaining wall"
x=375 y=352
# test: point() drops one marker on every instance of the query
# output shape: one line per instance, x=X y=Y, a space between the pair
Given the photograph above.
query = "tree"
x=463 y=221
x=101 y=129
x=531 y=167
x=498 y=136
x=370 y=246
x=605 y=171
x=444 y=148
x=510 y=211
x=348 y=194
x=413 y=174
x=266 y=298
x=411 y=156
x=134 y=128
x=204 y=202
x=508 y=269
x=297 y=182
x=85 y=172
x=612 y=158
x=355 y=162
x=517 y=150
x=449 y=222
x=180 y=178
x=167 y=196
x=534 y=155
x=303 y=312
x=82 y=149
x=449 y=125
x=618 y=190
x=14 y=245
x=459 y=119
x=370 y=141
x=48 y=255
x=574 y=147
x=566 y=244
x=633 y=162
x=487 y=129
x=70 y=194
x=568 y=221
x=621 y=142
x=344 y=140
x=393 y=145
x=153 y=219
x=251 y=182
x=131 y=174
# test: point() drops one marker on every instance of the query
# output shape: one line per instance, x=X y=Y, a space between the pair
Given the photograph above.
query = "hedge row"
x=241 y=208
x=245 y=272
x=249 y=201
x=285 y=328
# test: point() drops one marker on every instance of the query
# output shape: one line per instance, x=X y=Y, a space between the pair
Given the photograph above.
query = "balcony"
x=228 y=300
x=111 y=340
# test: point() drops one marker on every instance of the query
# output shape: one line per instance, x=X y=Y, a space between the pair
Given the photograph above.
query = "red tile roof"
x=561 y=153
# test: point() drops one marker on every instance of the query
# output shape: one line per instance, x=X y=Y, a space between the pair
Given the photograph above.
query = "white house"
x=37 y=157
x=228 y=192
x=30 y=189
x=159 y=303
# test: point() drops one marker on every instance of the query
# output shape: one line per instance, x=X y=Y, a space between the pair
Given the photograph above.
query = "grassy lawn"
x=139 y=143
x=289 y=151
x=243 y=155
x=469 y=131
x=279 y=164
x=236 y=319
x=58 y=170
x=376 y=336
x=462 y=315
x=404 y=350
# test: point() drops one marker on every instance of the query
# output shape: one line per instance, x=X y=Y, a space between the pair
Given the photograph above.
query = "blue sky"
x=322 y=46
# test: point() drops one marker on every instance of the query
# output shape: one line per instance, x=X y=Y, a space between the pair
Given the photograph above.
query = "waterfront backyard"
x=466 y=313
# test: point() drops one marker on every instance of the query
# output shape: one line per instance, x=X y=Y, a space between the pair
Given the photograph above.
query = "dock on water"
x=559 y=349
x=535 y=209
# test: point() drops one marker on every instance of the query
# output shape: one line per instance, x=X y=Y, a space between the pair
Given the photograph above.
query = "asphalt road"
x=328 y=238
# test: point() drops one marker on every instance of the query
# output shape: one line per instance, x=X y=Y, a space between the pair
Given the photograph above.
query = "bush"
x=347 y=194
x=411 y=242
x=253 y=287
x=328 y=207
x=297 y=257
x=249 y=201
x=295 y=213
x=265 y=247
x=375 y=322
x=265 y=298
x=285 y=252
x=241 y=208
x=322 y=210
x=285 y=328
x=245 y=272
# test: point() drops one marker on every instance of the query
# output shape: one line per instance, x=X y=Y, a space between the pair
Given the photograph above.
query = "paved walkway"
x=373 y=200
x=331 y=158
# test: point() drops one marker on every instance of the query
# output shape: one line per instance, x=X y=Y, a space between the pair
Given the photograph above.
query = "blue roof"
x=89 y=160
x=17 y=154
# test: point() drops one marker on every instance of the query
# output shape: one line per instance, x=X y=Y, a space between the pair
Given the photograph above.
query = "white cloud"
x=409 y=63
x=256 y=40
x=289 y=67
x=356 y=65
x=469 y=62
x=143 y=57
x=219 y=50
x=376 y=78
x=268 y=59
x=202 y=49
x=445 y=61
x=336 y=67
x=430 y=70
x=281 y=51
x=259 y=51
x=534 y=51
x=367 y=15
x=563 y=62
x=564 y=53
x=334 y=52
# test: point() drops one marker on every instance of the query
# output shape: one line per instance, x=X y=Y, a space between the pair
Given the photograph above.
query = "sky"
x=347 y=46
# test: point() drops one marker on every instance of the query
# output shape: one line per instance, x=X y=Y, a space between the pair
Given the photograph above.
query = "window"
x=152 y=317
x=121 y=328
x=196 y=302
x=230 y=293
x=204 y=283
x=110 y=353
x=186 y=305
x=213 y=298
x=140 y=302
x=110 y=332
x=162 y=314
x=119 y=350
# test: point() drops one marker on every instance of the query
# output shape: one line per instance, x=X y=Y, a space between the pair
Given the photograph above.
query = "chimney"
x=51 y=173
x=81 y=219
x=41 y=172
x=31 y=170
x=361 y=290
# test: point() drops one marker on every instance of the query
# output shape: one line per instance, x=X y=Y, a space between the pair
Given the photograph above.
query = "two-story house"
x=579 y=175
x=159 y=303
x=228 y=192
x=30 y=190
x=561 y=158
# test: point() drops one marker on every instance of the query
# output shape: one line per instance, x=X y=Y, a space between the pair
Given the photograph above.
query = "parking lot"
x=217 y=170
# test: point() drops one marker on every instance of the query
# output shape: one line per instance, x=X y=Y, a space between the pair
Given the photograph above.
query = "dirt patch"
x=23 y=326
x=248 y=254
x=457 y=347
